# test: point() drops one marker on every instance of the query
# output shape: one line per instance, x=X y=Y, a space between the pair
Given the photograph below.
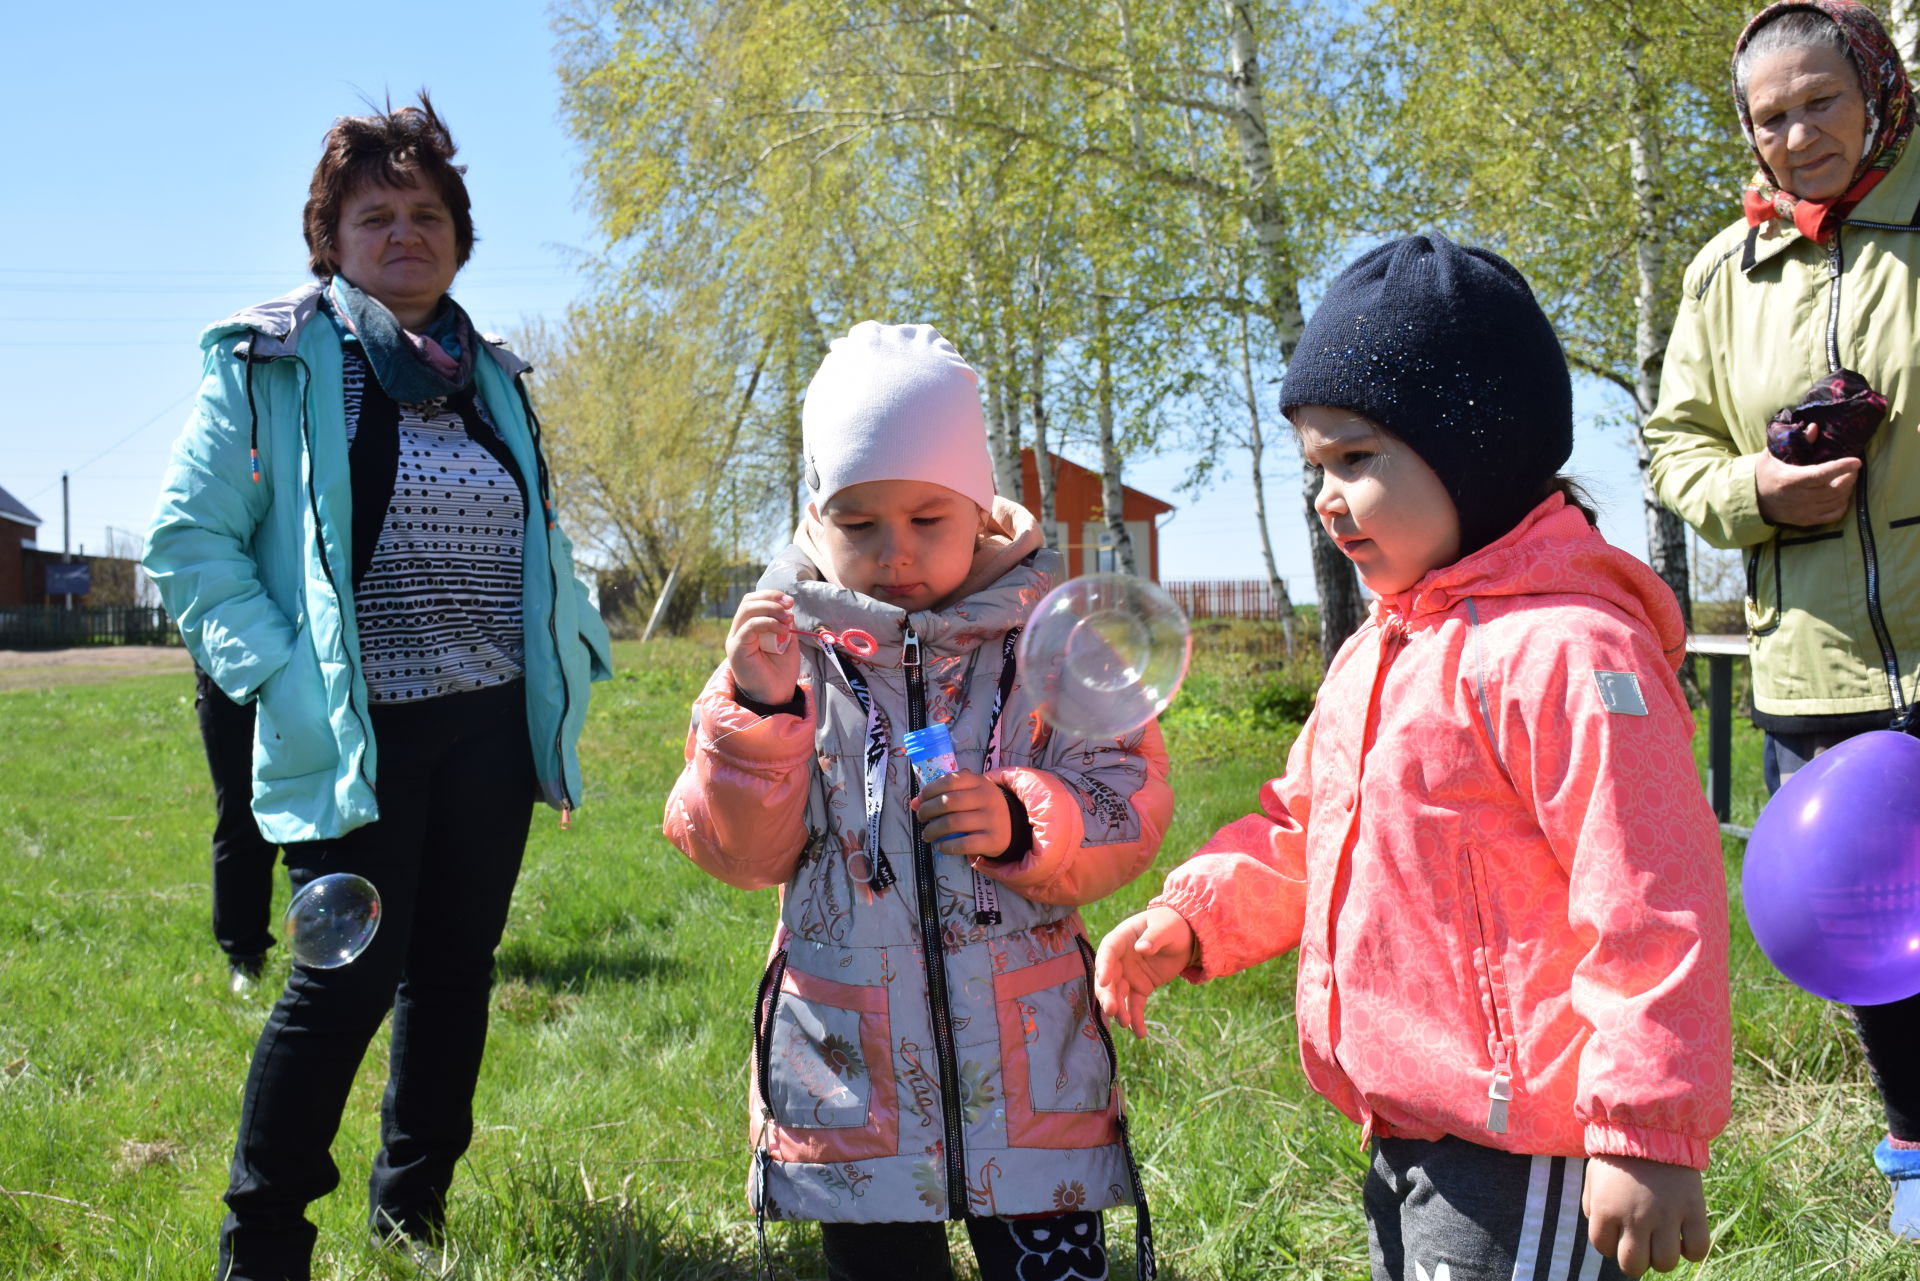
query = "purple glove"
x=1836 y=419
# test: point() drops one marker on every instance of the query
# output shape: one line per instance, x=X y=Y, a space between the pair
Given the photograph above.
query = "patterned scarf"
x=1889 y=120
x=412 y=368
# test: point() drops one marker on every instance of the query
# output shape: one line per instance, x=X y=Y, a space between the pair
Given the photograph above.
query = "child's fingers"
x=1696 y=1235
x=1632 y=1250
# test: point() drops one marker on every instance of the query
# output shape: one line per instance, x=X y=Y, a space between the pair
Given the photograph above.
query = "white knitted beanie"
x=895 y=402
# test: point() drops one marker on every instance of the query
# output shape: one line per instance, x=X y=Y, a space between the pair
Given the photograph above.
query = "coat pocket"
x=1763 y=587
x=823 y=1067
x=1057 y=1061
x=293 y=734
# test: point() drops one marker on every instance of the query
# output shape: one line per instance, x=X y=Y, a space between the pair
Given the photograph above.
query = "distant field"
x=612 y=1121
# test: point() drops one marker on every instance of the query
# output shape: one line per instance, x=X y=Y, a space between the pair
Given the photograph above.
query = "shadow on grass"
x=571 y=966
x=543 y=1221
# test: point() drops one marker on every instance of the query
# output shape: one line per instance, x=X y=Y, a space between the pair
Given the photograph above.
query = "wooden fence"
x=50 y=627
x=1224 y=598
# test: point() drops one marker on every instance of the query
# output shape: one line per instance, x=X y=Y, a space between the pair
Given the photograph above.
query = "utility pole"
x=66 y=533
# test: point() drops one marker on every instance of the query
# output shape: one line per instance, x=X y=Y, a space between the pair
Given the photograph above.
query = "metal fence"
x=50 y=627
x=1224 y=598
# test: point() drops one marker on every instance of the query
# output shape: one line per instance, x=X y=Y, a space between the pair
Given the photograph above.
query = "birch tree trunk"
x=1335 y=581
x=1042 y=460
x=1903 y=24
x=1666 y=533
x=1256 y=450
x=1112 y=495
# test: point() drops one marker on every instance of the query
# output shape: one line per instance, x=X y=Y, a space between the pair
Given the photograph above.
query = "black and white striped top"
x=439 y=598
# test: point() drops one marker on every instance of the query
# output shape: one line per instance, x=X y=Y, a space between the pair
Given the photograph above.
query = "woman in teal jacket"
x=356 y=535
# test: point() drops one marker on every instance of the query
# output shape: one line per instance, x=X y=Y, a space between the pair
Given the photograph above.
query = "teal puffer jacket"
x=251 y=552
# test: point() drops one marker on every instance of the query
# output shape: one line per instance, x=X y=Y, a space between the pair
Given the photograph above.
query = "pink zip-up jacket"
x=1492 y=848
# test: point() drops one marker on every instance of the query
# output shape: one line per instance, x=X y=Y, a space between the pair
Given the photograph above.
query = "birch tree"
x=1595 y=145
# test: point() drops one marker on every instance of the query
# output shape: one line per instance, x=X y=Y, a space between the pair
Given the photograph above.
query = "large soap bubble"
x=1107 y=652
x=332 y=920
x=1831 y=879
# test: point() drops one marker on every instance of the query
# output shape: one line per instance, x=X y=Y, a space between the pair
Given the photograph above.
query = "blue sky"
x=156 y=165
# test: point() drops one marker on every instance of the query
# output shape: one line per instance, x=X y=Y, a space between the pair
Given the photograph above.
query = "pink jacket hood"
x=1493 y=852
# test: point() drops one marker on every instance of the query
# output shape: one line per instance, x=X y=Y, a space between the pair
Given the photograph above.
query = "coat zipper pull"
x=1499 y=1094
x=910 y=649
x=566 y=816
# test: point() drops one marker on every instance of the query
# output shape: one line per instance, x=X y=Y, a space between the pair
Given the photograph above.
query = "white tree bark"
x=1903 y=24
x=1112 y=494
x=1666 y=533
x=1334 y=579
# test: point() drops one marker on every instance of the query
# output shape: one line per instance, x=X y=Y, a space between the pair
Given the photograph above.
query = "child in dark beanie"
x=1490 y=844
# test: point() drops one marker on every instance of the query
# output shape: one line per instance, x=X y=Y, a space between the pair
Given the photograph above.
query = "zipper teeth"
x=765 y=1007
x=326 y=562
x=926 y=886
x=1093 y=1007
x=1834 y=264
x=553 y=610
x=1889 y=658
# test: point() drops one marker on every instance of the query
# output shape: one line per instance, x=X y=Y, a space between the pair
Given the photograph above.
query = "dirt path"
x=44 y=668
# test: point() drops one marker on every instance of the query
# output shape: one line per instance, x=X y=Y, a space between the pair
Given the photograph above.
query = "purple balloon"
x=1832 y=873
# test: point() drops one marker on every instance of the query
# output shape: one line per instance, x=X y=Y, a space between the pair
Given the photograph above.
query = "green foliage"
x=612 y=1136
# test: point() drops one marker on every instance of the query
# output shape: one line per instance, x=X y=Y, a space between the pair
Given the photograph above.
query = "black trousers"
x=1889 y=1034
x=242 y=859
x=456 y=790
x=1056 y=1247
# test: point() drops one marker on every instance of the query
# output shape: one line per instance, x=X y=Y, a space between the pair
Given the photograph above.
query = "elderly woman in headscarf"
x=357 y=537
x=1788 y=419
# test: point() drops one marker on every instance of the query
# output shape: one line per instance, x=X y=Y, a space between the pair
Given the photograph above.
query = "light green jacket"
x=1833 y=611
x=257 y=572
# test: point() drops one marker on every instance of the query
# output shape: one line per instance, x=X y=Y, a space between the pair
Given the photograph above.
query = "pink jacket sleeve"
x=1245 y=891
x=1062 y=867
x=1619 y=799
x=739 y=806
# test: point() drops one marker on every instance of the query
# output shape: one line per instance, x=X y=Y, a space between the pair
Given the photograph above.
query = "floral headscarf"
x=1889 y=119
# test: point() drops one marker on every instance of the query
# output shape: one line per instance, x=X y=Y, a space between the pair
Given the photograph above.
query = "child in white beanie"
x=895 y=1084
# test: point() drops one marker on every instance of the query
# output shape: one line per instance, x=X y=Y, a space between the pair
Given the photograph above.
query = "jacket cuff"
x=795 y=706
x=1191 y=902
x=735 y=733
x=1666 y=1146
x=1053 y=825
x=1739 y=504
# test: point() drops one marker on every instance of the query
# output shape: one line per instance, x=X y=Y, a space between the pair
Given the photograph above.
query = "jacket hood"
x=278 y=323
x=1552 y=552
x=1011 y=571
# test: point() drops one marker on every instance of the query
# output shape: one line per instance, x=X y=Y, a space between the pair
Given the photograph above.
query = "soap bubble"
x=332 y=920
x=1108 y=653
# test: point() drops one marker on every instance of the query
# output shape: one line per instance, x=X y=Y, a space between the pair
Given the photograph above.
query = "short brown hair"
x=391 y=148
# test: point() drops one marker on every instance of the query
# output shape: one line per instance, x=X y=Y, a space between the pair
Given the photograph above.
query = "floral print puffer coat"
x=892 y=1081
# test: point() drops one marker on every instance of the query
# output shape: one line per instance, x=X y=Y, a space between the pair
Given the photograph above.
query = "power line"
x=176 y=403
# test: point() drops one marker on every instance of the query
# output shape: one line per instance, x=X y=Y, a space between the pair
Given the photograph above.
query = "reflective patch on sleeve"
x=1620 y=693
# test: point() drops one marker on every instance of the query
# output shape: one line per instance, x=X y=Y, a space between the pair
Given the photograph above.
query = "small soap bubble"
x=1108 y=653
x=331 y=920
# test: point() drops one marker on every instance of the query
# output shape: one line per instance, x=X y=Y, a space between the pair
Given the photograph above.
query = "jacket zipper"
x=1889 y=657
x=553 y=631
x=927 y=890
x=1500 y=1088
x=326 y=564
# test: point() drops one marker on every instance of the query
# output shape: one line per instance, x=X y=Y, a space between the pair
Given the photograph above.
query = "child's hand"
x=1643 y=1212
x=765 y=672
x=1144 y=951
x=965 y=814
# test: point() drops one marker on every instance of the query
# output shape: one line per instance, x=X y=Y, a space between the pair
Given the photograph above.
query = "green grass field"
x=612 y=1127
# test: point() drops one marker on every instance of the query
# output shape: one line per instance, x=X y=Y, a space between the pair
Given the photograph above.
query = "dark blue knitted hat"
x=1445 y=347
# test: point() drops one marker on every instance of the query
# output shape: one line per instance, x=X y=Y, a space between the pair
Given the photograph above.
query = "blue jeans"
x=456 y=791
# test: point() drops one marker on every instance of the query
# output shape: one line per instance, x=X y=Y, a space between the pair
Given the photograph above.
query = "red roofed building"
x=1080 y=525
x=18 y=529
